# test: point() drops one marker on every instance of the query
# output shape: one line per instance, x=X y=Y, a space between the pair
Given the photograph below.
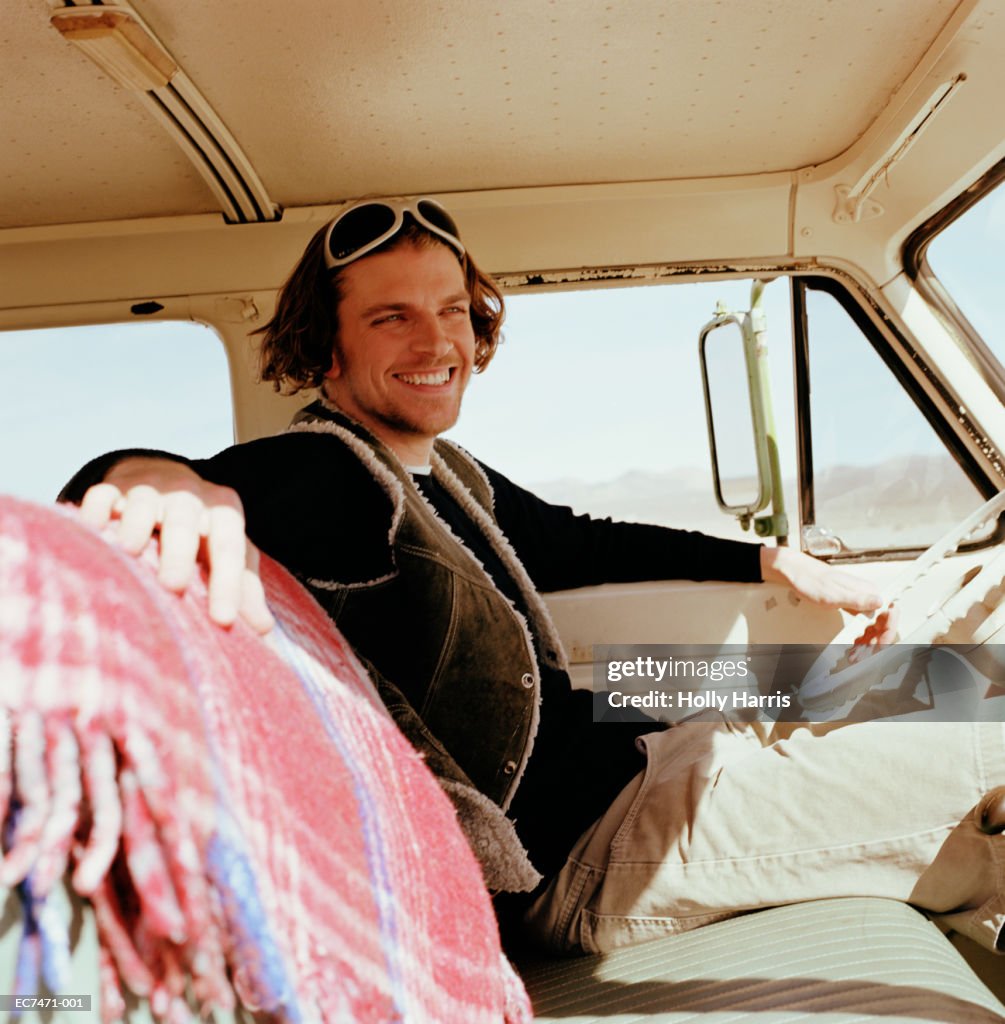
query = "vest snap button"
x=527 y=679
x=509 y=767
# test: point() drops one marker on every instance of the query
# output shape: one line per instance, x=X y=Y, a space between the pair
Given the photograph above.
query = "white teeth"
x=439 y=377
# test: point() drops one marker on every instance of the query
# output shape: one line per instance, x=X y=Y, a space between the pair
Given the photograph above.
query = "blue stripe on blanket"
x=234 y=877
x=305 y=669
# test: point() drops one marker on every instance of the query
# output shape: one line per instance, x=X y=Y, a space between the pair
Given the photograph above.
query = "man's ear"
x=334 y=371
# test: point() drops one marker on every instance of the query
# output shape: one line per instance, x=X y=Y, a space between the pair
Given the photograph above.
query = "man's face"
x=406 y=346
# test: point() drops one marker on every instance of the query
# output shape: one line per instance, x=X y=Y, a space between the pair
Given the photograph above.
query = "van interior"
x=751 y=251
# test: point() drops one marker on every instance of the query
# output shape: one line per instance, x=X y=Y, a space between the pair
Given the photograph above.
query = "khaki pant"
x=727 y=818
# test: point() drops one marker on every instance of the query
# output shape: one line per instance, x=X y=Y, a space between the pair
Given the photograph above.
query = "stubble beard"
x=432 y=425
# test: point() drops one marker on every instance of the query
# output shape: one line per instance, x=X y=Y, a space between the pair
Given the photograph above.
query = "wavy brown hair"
x=298 y=340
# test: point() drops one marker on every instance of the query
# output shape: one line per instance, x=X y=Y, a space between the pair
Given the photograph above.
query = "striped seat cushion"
x=827 y=962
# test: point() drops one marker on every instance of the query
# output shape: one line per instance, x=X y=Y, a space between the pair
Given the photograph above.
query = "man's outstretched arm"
x=561 y=549
x=285 y=493
x=195 y=520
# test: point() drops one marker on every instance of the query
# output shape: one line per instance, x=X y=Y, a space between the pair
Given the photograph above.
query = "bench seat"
x=827 y=962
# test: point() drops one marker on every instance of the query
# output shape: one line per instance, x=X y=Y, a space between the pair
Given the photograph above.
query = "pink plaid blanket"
x=246 y=821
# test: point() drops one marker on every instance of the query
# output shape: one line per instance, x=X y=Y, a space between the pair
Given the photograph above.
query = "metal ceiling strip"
x=227 y=145
x=229 y=204
x=209 y=151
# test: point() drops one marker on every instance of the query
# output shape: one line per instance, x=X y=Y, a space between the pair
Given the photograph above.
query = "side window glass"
x=595 y=400
x=967 y=258
x=73 y=393
x=882 y=477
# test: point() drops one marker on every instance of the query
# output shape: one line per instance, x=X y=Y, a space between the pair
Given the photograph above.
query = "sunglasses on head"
x=368 y=224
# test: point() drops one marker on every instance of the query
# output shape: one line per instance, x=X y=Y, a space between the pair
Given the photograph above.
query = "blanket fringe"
x=74 y=803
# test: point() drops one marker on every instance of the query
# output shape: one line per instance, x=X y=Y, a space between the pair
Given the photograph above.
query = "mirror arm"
x=755 y=335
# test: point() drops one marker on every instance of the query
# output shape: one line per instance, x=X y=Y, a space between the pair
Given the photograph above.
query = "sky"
x=610 y=378
x=968 y=259
x=588 y=384
x=73 y=393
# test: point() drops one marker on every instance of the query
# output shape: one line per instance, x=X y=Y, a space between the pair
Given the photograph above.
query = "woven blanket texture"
x=247 y=823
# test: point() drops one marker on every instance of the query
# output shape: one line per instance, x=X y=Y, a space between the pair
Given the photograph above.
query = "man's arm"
x=195 y=520
x=561 y=550
x=287 y=493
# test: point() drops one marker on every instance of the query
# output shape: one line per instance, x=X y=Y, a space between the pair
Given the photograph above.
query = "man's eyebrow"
x=383 y=307
x=397 y=307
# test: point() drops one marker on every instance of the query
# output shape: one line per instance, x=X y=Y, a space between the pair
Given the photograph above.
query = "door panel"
x=685 y=612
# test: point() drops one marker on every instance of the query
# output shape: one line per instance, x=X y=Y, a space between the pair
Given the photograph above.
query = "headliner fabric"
x=827 y=962
x=239 y=813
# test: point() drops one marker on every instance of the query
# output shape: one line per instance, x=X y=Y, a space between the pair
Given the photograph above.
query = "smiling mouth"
x=430 y=378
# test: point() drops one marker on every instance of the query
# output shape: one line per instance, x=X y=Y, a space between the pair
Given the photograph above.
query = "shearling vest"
x=464 y=658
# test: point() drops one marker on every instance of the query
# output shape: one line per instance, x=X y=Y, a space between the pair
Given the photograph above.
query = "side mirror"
x=751 y=351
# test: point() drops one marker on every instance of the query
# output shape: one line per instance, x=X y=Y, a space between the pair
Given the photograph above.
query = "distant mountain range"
x=896 y=501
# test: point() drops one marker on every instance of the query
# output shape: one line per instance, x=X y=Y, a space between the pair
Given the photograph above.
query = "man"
x=431 y=564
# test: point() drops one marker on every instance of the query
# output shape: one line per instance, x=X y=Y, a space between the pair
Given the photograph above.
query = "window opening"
x=72 y=393
x=882 y=478
x=595 y=400
x=967 y=256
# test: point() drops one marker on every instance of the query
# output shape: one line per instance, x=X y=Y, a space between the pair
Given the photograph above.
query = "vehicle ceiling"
x=329 y=100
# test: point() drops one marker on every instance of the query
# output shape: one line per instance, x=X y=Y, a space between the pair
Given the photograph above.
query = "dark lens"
x=438 y=217
x=359 y=227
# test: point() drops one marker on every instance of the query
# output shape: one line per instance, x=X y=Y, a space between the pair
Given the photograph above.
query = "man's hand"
x=196 y=521
x=824 y=585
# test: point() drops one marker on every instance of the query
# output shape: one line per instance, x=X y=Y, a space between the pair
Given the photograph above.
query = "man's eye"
x=388 y=319
x=456 y=309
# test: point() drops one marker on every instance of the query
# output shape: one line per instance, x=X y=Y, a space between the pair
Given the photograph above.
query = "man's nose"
x=431 y=337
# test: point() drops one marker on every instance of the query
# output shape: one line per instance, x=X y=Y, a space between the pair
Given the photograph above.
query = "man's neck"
x=411 y=450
